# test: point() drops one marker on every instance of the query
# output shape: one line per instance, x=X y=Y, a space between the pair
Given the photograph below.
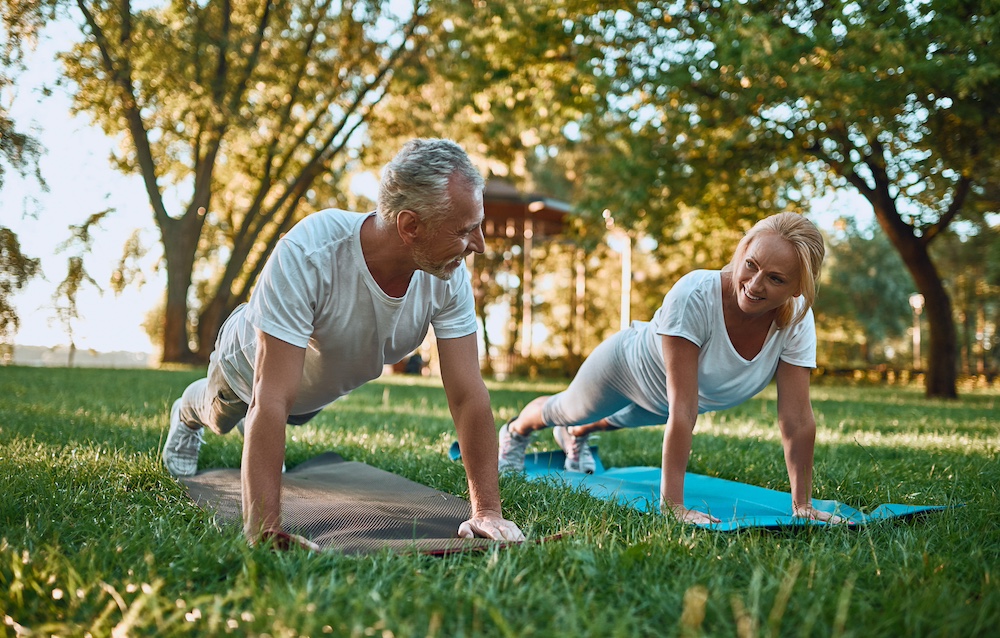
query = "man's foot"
x=180 y=452
x=512 y=448
x=579 y=458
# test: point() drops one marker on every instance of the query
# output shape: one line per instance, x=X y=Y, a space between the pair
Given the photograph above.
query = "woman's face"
x=768 y=276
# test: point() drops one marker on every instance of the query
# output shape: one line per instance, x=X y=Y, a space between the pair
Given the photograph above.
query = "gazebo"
x=526 y=218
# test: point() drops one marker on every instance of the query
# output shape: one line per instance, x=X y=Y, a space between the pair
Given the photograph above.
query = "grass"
x=98 y=539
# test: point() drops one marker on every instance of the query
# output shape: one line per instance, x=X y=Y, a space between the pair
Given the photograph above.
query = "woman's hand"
x=813 y=514
x=685 y=515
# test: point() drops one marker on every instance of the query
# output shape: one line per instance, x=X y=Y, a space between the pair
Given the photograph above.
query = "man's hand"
x=813 y=514
x=283 y=541
x=687 y=516
x=490 y=526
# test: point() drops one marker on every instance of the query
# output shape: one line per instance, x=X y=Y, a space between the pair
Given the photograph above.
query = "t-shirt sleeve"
x=281 y=304
x=685 y=311
x=457 y=317
x=800 y=349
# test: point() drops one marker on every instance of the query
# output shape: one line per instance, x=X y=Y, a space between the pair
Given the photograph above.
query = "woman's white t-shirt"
x=317 y=293
x=692 y=309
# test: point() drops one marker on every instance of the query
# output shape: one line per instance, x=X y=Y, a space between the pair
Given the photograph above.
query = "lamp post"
x=624 y=246
x=917 y=303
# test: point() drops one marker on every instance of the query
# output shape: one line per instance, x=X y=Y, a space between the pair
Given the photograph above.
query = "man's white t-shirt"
x=317 y=293
x=692 y=309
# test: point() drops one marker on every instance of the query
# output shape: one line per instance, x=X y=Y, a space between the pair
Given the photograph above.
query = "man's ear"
x=408 y=226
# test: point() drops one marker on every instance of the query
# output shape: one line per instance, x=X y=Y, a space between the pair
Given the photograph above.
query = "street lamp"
x=622 y=242
x=917 y=303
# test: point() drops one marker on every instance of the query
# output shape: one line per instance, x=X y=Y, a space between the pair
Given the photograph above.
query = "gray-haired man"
x=341 y=296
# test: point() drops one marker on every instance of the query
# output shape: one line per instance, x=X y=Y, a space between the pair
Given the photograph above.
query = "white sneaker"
x=579 y=458
x=512 y=449
x=180 y=452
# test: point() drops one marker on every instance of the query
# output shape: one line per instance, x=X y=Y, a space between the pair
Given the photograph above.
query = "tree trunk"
x=178 y=253
x=210 y=320
x=942 y=361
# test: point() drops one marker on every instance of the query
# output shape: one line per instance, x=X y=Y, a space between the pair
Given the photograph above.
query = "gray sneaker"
x=512 y=448
x=579 y=458
x=180 y=452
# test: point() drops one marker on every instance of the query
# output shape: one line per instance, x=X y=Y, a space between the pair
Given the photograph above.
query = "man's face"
x=458 y=236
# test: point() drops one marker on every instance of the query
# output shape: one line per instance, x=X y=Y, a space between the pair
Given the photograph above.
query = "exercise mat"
x=736 y=505
x=350 y=507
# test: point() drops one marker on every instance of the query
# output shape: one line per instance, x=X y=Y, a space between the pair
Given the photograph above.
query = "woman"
x=717 y=340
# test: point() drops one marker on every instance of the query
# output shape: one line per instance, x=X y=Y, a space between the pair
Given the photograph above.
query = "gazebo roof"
x=507 y=209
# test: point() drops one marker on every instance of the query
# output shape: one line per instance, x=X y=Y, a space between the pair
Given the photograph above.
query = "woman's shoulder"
x=698 y=282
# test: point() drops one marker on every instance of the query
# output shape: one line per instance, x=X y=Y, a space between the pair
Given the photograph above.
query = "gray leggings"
x=211 y=403
x=604 y=387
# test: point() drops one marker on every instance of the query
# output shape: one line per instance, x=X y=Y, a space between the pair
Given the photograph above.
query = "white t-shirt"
x=316 y=292
x=692 y=309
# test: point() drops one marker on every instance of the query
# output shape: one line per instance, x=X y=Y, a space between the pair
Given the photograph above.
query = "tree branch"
x=122 y=79
x=962 y=189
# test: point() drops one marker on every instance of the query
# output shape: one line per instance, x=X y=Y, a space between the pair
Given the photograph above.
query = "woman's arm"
x=680 y=358
x=798 y=437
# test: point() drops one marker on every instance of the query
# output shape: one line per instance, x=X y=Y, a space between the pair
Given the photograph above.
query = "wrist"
x=487 y=512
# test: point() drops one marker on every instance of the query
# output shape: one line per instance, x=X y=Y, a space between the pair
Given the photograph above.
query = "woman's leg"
x=597 y=391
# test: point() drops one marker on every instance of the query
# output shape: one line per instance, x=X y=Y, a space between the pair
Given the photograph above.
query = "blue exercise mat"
x=737 y=505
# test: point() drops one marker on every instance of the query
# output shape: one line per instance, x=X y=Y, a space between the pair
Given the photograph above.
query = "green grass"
x=98 y=539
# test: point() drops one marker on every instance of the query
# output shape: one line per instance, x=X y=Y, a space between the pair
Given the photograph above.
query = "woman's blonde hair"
x=807 y=242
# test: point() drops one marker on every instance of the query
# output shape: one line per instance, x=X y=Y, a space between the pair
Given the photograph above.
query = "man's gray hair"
x=417 y=179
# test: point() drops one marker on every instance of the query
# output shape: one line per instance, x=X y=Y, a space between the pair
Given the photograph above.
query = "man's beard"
x=437 y=269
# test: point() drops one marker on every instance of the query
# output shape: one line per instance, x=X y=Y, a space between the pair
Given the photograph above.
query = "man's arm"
x=277 y=373
x=469 y=403
x=798 y=436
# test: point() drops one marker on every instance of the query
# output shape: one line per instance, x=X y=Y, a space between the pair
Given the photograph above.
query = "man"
x=341 y=296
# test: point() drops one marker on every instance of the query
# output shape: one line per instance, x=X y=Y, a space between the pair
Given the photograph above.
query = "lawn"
x=96 y=538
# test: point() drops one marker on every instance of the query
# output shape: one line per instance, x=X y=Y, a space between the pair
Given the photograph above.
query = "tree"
x=235 y=114
x=865 y=288
x=18 y=150
x=15 y=270
x=724 y=103
x=65 y=296
x=972 y=257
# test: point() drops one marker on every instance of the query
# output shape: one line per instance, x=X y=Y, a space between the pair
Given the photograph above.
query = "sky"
x=81 y=181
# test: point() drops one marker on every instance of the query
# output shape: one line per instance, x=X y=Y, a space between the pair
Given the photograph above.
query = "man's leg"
x=208 y=403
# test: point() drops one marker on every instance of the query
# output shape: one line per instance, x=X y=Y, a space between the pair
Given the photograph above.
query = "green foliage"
x=65 y=297
x=865 y=289
x=235 y=115
x=16 y=269
x=972 y=261
x=21 y=20
x=97 y=538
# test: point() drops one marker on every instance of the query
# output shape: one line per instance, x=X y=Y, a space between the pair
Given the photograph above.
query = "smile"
x=746 y=293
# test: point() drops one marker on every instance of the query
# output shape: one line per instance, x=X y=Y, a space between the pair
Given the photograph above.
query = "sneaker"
x=579 y=458
x=512 y=448
x=180 y=452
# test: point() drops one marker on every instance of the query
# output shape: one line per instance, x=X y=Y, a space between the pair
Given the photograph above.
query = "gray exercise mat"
x=350 y=507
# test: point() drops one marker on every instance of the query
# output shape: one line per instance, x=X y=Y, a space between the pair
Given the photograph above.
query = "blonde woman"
x=718 y=339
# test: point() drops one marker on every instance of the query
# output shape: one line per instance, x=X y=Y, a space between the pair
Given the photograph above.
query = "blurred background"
x=151 y=153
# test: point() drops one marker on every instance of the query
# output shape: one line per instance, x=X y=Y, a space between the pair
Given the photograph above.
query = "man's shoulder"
x=319 y=232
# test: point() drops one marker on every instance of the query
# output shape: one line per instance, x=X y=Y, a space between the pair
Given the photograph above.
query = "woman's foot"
x=512 y=449
x=579 y=458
